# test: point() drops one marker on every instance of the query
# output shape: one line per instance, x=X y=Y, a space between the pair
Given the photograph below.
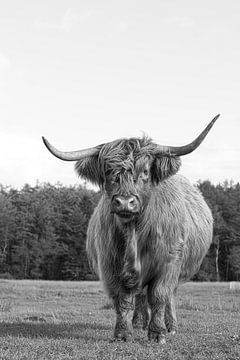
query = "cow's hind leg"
x=141 y=313
x=124 y=307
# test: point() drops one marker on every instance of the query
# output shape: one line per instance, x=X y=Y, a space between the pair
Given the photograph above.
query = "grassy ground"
x=74 y=320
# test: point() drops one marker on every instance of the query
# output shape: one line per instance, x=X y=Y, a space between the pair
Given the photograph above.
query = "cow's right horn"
x=71 y=155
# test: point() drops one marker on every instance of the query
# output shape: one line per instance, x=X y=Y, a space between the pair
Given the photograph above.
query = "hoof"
x=122 y=336
x=157 y=337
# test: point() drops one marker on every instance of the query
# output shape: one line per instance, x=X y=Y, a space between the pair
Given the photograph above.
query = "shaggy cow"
x=149 y=231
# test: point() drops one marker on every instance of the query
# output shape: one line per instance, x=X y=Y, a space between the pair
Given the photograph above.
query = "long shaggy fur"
x=175 y=226
x=165 y=243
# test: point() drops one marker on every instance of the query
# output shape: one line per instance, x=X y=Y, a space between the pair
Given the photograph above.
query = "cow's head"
x=127 y=169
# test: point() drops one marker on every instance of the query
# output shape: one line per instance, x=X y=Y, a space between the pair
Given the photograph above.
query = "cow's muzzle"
x=125 y=207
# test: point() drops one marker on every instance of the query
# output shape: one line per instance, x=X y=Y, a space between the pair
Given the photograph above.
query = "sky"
x=86 y=72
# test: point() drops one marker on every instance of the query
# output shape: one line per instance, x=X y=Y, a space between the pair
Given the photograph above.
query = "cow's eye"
x=116 y=179
x=144 y=175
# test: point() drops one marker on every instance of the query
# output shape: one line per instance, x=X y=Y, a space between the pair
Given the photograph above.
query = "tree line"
x=43 y=232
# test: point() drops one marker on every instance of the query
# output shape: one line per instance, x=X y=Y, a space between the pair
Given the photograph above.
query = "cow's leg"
x=161 y=301
x=157 y=328
x=124 y=307
x=170 y=315
x=141 y=314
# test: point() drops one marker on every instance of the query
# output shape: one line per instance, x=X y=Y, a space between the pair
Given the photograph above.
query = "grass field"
x=74 y=320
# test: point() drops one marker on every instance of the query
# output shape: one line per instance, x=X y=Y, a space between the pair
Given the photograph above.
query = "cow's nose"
x=125 y=204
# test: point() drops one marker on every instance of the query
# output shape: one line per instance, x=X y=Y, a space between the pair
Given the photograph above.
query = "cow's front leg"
x=124 y=307
x=161 y=300
x=170 y=316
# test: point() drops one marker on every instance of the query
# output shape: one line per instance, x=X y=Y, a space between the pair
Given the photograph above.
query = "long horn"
x=186 y=149
x=71 y=155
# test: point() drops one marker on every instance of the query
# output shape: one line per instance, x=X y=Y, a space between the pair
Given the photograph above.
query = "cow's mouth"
x=126 y=214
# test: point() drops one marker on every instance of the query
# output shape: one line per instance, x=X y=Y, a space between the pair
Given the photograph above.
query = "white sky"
x=86 y=72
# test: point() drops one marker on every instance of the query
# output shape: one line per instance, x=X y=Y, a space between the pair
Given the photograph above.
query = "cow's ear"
x=89 y=169
x=163 y=167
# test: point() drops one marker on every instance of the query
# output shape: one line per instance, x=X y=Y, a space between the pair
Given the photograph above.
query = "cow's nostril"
x=131 y=203
x=117 y=202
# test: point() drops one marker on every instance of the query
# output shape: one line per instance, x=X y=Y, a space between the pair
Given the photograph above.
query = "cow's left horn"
x=186 y=149
x=70 y=155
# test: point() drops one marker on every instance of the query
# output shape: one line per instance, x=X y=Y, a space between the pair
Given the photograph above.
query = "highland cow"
x=149 y=232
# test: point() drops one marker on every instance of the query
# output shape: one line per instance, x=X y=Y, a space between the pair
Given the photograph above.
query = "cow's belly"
x=193 y=255
x=154 y=265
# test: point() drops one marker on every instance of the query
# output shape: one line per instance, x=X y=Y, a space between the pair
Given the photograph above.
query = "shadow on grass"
x=85 y=331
